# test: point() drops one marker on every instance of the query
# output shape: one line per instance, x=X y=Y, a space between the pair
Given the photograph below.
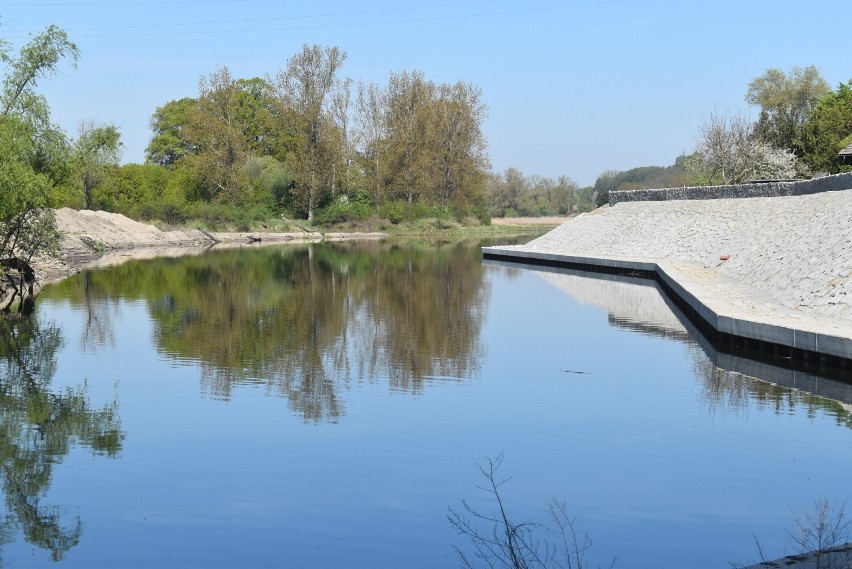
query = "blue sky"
x=573 y=87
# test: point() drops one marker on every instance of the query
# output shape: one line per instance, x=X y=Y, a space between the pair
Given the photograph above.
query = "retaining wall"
x=752 y=190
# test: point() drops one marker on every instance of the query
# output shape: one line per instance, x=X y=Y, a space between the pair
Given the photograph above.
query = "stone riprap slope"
x=796 y=250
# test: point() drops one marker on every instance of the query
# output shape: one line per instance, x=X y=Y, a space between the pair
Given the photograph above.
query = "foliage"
x=643 y=177
x=786 y=102
x=59 y=420
x=132 y=187
x=308 y=299
x=341 y=211
x=296 y=141
x=512 y=194
x=518 y=545
x=169 y=143
x=828 y=131
x=95 y=156
x=33 y=153
x=731 y=153
x=306 y=86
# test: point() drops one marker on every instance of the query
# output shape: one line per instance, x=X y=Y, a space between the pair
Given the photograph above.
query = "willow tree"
x=33 y=154
x=306 y=85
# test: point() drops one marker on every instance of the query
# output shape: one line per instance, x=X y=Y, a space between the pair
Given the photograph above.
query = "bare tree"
x=341 y=98
x=519 y=545
x=372 y=127
x=820 y=539
x=820 y=530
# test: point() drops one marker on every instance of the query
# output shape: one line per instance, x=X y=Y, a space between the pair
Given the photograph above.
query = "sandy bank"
x=99 y=239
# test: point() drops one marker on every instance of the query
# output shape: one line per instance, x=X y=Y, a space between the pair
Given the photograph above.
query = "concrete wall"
x=760 y=190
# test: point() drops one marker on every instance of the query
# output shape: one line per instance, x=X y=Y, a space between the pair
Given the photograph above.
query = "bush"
x=340 y=212
x=169 y=212
x=395 y=212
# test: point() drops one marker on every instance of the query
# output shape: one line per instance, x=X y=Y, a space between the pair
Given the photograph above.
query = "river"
x=329 y=405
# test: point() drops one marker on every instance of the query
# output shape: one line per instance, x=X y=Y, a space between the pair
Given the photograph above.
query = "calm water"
x=323 y=406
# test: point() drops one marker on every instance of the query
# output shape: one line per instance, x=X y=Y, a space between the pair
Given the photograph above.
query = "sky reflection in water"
x=322 y=406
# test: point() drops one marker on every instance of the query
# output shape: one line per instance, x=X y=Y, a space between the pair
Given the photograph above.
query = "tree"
x=170 y=142
x=732 y=154
x=214 y=130
x=33 y=155
x=459 y=146
x=305 y=86
x=371 y=114
x=828 y=130
x=408 y=97
x=525 y=545
x=786 y=102
x=606 y=181
x=341 y=98
x=96 y=151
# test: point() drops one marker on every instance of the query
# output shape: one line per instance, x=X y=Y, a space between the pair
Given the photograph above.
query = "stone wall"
x=753 y=190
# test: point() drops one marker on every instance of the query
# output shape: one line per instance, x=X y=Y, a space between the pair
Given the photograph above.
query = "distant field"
x=554 y=221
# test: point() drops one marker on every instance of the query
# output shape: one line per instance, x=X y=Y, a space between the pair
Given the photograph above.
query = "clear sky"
x=573 y=87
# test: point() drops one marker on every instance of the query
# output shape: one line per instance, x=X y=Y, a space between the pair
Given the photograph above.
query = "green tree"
x=409 y=96
x=460 y=160
x=827 y=131
x=96 y=153
x=306 y=86
x=216 y=133
x=135 y=187
x=169 y=143
x=786 y=102
x=33 y=153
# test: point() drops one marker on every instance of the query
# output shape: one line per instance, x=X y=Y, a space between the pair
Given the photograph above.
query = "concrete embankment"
x=773 y=269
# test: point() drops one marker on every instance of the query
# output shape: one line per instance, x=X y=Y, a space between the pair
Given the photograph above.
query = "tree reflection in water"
x=38 y=427
x=304 y=322
x=729 y=391
x=640 y=306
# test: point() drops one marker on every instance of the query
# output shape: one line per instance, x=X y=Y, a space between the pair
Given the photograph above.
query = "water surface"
x=324 y=405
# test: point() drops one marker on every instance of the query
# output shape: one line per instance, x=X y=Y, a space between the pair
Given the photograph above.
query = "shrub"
x=340 y=212
x=169 y=212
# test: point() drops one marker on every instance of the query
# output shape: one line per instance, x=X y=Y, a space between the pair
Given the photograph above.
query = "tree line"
x=802 y=126
x=306 y=139
x=308 y=142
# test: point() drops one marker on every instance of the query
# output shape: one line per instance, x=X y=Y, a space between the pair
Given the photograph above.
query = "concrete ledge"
x=725 y=310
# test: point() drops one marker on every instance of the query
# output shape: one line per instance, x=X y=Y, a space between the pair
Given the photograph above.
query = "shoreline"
x=96 y=239
x=769 y=274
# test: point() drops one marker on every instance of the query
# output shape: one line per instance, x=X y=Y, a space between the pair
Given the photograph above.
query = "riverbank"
x=98 y=239
x=766 y=267
x=93 y=239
